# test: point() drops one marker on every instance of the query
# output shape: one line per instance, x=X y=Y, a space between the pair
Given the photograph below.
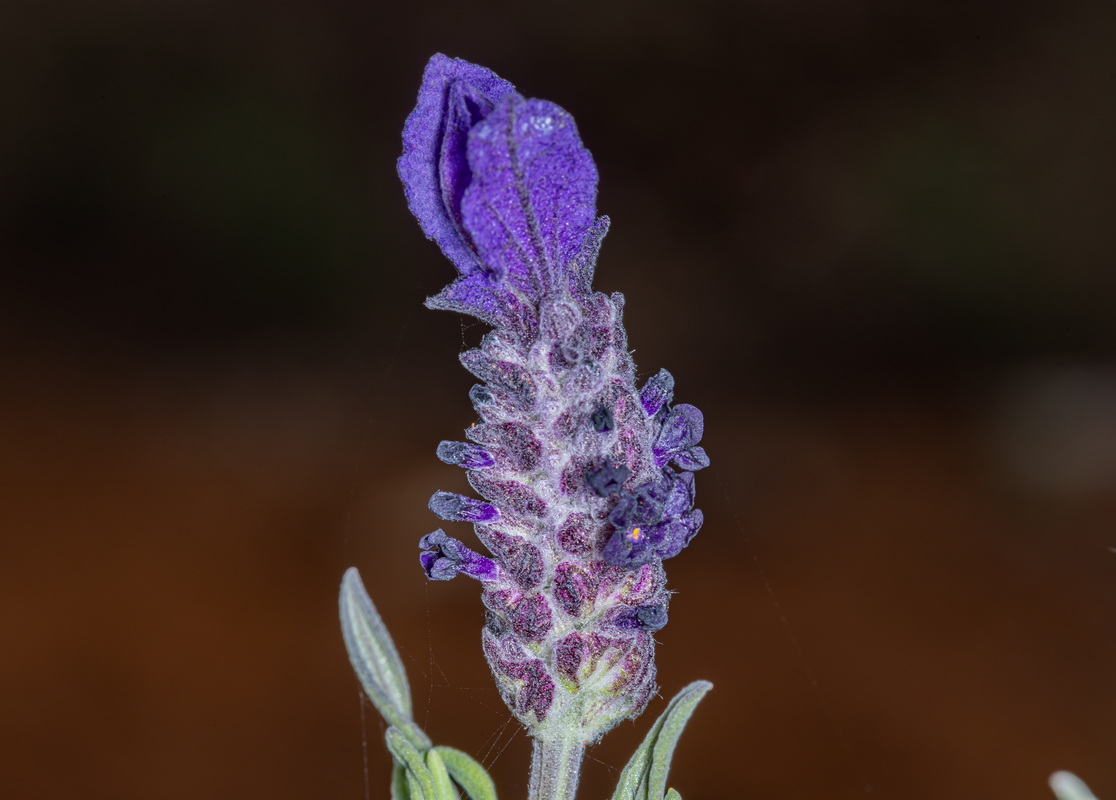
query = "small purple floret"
x=602 y=420
x=446 y=556
x=648 y=618
x=608 y=479
x=463 y=454
x=655 y=520
x=459 y=508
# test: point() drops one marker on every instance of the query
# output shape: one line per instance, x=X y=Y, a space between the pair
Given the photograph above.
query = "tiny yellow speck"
x=636 y=534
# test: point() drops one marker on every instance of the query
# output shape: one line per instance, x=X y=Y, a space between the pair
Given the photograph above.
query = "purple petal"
x=532 y=200
x=434 y=169
x=682 y=429
x=641 y=507
x=627 y=548
x=680 y=498
x=438 y=568
x=692 y=459
x=623 y=514
x=657 y=392
x=672 y=536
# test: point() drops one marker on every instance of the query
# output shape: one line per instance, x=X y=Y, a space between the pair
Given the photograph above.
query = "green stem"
x=555 y=768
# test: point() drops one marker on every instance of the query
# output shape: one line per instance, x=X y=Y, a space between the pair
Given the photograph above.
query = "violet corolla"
x=586 y=480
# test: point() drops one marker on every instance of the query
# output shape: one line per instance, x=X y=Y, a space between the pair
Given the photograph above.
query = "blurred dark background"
x=873 y=242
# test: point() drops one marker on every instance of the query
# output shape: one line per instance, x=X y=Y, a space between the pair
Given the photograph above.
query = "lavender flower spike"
x=587 y=480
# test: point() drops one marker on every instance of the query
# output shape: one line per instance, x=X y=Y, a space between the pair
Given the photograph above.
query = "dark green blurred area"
x=872 y=241
x=864 y=186
x=169 y=198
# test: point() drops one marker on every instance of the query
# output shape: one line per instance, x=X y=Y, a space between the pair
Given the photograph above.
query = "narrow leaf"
x=645 y=776
x=672 y=795
x=443 y=786
x=1070 y=787
x=384 y=660
x=400 y=790
x=678 y=714
x=414 y=788
x=468 y=773
x=419 y=780
x=375 y=659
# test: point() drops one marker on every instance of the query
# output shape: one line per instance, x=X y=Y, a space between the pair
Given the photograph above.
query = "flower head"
x=582 y=500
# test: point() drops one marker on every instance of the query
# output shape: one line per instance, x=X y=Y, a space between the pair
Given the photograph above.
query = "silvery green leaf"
x=373 y=639
x=443 y=786
x=420 y=782
x=468 y=773
x=399 y=788
x=375 y=659
x=414 y=787
x=645 y=776
x=672 y=795
x=1070 y=787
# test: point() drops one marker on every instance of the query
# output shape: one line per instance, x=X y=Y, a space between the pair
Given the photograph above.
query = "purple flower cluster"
x=587 y=482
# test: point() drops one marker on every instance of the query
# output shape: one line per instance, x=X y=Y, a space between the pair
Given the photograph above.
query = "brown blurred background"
x=873 y=242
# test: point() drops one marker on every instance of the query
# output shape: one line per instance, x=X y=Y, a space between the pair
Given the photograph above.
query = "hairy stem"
x=555 y=768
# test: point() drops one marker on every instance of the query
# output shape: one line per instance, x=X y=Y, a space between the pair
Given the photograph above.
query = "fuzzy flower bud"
x=587 y=481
